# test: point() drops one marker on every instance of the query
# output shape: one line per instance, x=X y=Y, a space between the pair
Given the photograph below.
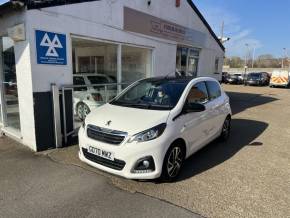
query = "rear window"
x=214 y=90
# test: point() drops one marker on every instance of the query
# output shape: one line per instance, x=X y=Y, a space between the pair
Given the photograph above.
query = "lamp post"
x=246 y=58
x=285 y=57
x=253 y=57
x=282 y=64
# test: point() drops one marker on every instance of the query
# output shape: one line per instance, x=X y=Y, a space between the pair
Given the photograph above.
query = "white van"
x=280 y=78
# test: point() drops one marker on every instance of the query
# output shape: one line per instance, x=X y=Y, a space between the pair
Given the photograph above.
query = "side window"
x=198 y=94
x=79 y=80
x=214 y=90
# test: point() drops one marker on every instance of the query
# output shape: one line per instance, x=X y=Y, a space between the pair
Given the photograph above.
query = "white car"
x=148 y=130
x=86 y=97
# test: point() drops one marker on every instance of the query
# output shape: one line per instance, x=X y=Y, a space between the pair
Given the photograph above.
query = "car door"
x=196 y=124
x=215 y=107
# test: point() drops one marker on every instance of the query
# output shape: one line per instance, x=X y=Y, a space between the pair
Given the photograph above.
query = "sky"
x=264 y=25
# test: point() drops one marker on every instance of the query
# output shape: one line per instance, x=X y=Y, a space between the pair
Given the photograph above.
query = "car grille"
x=113 y=137
x=116 y=164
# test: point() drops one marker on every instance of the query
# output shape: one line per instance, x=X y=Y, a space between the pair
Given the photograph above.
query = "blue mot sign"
x=50 y=48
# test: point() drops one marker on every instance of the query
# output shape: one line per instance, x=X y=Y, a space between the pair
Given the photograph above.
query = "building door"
x=9 y=93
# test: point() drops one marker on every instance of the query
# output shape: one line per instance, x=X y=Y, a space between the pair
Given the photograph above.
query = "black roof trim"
x=190 y=2
x=37 y=4
x=179 y=79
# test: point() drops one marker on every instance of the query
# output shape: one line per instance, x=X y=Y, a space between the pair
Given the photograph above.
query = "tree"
x=262 y=61
x=234 y=62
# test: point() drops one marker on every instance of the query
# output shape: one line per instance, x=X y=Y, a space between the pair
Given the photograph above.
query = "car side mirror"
x=193 y=107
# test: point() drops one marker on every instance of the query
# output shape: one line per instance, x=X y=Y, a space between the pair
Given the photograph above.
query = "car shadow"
x=243 y=133
x=242 y=101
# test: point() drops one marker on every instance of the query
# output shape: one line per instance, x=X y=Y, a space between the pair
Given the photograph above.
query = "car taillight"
x=97 y=97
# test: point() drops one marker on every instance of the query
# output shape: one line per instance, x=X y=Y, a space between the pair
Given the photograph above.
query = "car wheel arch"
x=80 y=102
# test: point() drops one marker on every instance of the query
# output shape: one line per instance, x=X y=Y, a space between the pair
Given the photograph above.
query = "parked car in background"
x=257 y=78
x=86 y=97
x=236 y=78
x=150 y=129
x=280 y=78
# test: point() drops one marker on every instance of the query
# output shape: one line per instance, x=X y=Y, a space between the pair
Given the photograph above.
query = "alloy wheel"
x=174 y=162
x=82 y=111
x=226 y=128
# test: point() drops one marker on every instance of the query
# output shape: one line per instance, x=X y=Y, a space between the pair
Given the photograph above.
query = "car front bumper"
x=129 y=153
x=254 y=82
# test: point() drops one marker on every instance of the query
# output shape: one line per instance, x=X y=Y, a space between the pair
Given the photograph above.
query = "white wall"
x=24 y=78
x=25 y=93
x=104 y=20
x=11 y=19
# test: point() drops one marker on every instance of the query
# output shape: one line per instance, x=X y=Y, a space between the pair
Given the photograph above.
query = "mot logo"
x=51 y=48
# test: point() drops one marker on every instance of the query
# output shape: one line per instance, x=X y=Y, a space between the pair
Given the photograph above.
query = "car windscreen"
x=155 y=95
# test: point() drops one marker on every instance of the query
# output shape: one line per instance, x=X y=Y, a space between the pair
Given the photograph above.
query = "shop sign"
x=139 y=22
x=50 y=48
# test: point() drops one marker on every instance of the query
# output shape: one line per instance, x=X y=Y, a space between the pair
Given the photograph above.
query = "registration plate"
x=101 y=153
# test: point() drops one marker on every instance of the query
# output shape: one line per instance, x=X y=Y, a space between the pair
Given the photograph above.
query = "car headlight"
x=148 y=134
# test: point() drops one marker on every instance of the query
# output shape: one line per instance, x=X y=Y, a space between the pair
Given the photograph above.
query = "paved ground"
x=249 y=176
x=35 y=186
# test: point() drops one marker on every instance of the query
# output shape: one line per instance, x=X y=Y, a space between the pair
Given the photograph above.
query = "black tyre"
x=226 y=130
x=173 y=163
x=82 y=110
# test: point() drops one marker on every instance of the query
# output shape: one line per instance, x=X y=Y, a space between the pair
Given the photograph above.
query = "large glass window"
x=9 y=103
x=136 y=63
x=98 y=66
x=187 y=61
x=94 y=57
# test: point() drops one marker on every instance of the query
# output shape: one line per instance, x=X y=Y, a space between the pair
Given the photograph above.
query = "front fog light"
x=144 y=165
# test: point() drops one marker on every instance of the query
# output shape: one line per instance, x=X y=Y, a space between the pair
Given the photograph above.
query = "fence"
x=71 y=104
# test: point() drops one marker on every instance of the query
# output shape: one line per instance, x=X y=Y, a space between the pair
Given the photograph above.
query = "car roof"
x=180 y=79
x=89 y=74
x=255 y=73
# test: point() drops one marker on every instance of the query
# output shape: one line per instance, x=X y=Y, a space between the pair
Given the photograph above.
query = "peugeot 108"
x=149 y=129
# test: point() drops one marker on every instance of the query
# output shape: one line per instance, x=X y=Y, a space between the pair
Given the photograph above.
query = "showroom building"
x=48 y=45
